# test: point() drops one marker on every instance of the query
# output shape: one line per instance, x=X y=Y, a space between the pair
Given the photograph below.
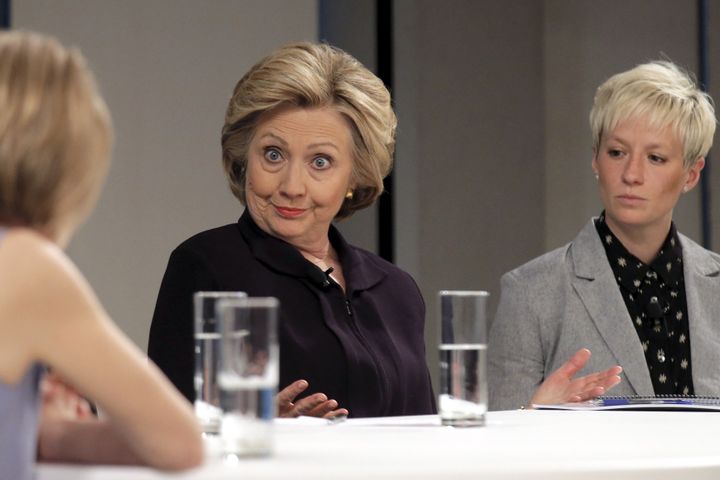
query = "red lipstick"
x=289 y=212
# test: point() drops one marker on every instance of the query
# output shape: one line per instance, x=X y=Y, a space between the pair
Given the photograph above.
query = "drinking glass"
x=207 y=359
x=463 y=350
x=249 y=372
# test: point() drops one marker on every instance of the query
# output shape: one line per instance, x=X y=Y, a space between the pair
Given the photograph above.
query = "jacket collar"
x=633 y=271
x=588 y=255
x=360 y=273
x=598 y=290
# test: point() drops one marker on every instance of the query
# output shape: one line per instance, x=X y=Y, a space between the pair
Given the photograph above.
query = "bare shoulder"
x=22 y=280
x=41 y=293
x=34 y=266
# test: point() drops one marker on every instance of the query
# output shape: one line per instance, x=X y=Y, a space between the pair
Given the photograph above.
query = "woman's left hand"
x=315 y=405
x=561 y=387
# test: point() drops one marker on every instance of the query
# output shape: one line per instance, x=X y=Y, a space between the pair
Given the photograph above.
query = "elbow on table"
x=181 y=453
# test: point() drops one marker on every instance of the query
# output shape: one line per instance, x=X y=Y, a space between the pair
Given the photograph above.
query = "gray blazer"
x=568 y=299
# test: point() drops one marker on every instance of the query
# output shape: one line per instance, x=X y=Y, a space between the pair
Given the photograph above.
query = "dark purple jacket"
x=363 y=347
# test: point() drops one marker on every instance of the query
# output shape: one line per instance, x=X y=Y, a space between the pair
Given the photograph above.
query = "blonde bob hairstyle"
x=55 y=134
x=309 y=75
x=667 y=96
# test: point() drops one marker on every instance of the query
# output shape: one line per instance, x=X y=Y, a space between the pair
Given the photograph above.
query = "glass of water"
x=207 y=359
x=249 y=372
x=463 y=351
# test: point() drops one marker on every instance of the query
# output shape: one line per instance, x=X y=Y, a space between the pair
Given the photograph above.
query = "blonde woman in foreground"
x=55 y=140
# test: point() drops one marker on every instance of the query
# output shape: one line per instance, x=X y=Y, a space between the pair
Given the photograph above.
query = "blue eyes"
x=273 y=155
x=321 y=163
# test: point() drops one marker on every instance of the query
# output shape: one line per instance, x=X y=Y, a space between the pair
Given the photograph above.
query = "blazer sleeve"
x=515 y=353
x=171 y=343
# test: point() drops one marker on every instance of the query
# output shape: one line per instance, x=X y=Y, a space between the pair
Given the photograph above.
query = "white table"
x=514 y=444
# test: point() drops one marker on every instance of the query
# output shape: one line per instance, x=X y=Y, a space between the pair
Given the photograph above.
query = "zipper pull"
x=348 y=308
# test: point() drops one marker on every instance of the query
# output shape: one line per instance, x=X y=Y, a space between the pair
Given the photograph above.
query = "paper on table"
x=670 y=403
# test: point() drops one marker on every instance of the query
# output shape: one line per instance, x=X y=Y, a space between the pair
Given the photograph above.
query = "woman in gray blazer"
x=629 y=287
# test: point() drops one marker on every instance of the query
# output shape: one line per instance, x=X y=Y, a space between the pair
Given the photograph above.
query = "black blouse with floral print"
x=655 y=298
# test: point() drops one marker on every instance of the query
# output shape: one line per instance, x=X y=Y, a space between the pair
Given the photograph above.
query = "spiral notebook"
x=649 y=403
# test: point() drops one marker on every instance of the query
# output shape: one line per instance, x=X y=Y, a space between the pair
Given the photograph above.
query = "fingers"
x=286 y=396
x=597 y=384
x=340 y=412
x=607 y=379
x=560 y=386
x=327 y=409
x=588 y=394
x=315 y=405
x=576 y=363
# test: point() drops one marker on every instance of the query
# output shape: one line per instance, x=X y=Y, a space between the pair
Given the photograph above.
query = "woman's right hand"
x=315 y=405
x=561 y=387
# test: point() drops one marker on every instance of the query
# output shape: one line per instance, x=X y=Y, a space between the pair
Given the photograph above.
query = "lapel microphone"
x=656 y=314
x=327 y=273
x=319 y=277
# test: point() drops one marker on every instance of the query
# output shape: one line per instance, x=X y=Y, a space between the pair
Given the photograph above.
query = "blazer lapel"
x=599 y=292
x=702 y=286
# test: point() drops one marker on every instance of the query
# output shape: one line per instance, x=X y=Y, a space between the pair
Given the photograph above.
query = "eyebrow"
x=323 y=144
x=278 y=139
x=284 y=144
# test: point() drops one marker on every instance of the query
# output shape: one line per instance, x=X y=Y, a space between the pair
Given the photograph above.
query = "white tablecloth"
x=514 y=445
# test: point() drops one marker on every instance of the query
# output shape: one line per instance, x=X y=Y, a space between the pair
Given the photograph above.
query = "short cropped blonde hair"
x=311 y=75
x=667 y=96
x=55 y=134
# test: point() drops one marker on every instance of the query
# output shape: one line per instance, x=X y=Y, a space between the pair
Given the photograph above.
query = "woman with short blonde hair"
x=664 y=93
x=630 y=287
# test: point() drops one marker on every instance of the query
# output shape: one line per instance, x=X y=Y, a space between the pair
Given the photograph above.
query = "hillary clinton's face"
x=641 y=176
x=298 y=172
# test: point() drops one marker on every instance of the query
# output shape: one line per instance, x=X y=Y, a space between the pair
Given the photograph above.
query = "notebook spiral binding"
x=703 y=398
